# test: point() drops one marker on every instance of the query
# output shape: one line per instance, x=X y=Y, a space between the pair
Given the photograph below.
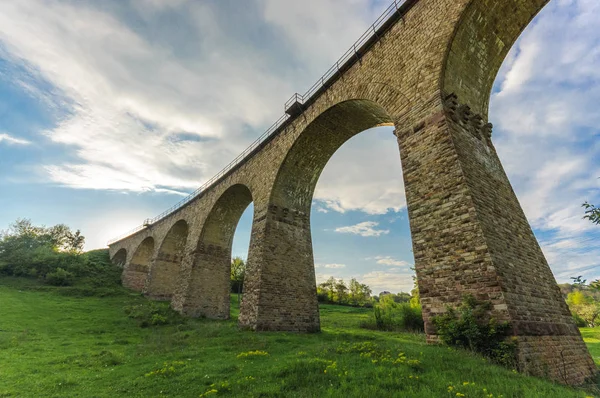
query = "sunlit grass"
x=57 y=346
x=592 y=339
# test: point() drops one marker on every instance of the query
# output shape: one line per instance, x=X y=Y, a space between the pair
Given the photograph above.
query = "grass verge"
x=53 y=345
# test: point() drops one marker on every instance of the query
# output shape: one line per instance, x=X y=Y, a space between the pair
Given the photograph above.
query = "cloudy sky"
x=112 y=111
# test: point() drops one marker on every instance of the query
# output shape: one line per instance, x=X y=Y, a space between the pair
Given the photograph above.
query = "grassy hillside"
x=52 y=345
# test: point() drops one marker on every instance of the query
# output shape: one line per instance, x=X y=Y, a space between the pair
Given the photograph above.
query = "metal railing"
x=350 y=57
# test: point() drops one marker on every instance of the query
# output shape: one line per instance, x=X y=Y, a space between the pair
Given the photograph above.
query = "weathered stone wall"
x=470 y=236
x=469 y=232
x=209 y=283
x=136 y=270
x=164 y=273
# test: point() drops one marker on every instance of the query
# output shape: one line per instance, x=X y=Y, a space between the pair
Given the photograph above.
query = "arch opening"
x=290 y=273
x=209 y=287
x=300 y=171
x=135 y=273
x=120 y=258
x=359 y=222
x=164 y=274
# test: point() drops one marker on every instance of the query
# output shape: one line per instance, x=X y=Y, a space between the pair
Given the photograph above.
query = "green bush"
x=579 y=321
x=153 y=314
x=472 y=327
x=60 y=277
x=392 y=316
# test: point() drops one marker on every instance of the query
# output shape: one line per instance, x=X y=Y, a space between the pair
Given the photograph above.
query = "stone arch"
x=483 y=36
x=163 y=276
x=298 y=175
x=281 y=294
x=135 y=273
x=209 y=285
x=120 y=257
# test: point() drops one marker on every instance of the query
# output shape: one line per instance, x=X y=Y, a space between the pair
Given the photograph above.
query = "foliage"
x=335 y=291
x=415 y=297
x=584 y=302
x=392 y=316
x=238 y=273
x=592 y=212
x=150 y=313
x=60 y=277
x=472 y=327
x=85 y=347
x=54 y=255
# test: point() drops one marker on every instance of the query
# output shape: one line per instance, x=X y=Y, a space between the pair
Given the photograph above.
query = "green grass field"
x=57 y=346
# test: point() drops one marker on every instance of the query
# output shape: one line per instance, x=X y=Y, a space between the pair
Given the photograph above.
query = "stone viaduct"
x=428 y=69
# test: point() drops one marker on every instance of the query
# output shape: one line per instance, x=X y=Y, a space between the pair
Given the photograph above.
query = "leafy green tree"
x=341 y=292
x=238 y=273
x=415 y=298
x=359 y=293
x=592 y=212
x=402 y=297
x=328 y=288
x=584 y=301
x=28 y=250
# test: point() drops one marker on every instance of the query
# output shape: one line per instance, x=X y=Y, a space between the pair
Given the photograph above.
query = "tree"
x=341 y=292
x=359 y=293
x=328 y=288
x=29 y=250
x=592 y=213
x=238 y=273
x=402 y=297
x=415 y=299
x=584 y=302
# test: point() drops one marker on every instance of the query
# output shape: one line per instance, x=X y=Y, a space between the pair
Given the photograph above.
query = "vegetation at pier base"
x=471 y=327
x=53 y=345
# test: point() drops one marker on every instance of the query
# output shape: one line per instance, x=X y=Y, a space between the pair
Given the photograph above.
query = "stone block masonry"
x=429 y=73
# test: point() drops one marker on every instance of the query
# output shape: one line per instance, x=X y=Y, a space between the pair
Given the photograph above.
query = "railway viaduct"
x=426 y=67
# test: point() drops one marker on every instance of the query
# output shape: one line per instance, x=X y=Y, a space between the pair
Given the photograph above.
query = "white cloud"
x=392 y=262
x=10 y=140
x=126 y=91
x=546 y=118
x=364 y=175
x=388 y=281
x=331 y=266
x=365 y=228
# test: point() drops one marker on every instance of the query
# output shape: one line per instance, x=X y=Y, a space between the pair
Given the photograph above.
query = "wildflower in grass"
x=459 y=394
x=168 y=369
x=450 y=388
x=252 y=354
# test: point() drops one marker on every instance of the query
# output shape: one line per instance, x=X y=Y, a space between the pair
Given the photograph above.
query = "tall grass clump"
x=389 y=315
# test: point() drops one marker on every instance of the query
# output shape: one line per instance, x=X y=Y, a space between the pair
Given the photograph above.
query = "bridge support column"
x=207 y=283
x=470 y=236
x=280 y=287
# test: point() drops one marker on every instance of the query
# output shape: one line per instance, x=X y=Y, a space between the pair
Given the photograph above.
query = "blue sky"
x=111 y=111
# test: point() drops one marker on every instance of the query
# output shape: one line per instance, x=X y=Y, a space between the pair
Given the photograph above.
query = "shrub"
x=472 y=327
x=60 y=277
x=579 y=321
x=153 y=314
x=389 y=315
